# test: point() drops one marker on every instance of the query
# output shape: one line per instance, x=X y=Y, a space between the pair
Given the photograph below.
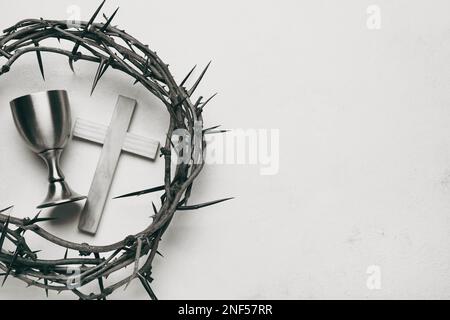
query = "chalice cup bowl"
x=44 y=121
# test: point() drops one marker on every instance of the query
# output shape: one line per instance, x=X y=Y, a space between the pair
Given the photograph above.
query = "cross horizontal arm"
x=134 y=144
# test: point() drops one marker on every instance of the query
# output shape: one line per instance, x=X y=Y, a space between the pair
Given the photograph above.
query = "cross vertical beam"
x=109 y=158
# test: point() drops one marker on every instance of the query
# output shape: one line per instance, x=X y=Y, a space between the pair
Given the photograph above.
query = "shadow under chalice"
x=65 y=214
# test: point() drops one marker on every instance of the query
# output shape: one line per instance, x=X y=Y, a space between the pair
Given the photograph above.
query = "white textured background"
x=364 y=154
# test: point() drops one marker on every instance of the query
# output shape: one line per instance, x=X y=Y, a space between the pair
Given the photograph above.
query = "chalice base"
x=59 y=193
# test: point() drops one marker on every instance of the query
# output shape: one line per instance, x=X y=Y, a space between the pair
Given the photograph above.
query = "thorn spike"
x=187 y=77
x=102 y=67
x=147 y=287
x=191 y=92
x=13 y=260
x=39 y=58
x=212 y=128
x=203 y=205
x=108 y=22
x=140 y=193
x=46 y=289
x=95 y=14
x=208 y=101
x=6 y=209
x=77 y=44
x=37 y=215
x=4 y=232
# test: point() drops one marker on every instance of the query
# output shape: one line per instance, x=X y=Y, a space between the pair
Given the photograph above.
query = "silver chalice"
x=43 y=120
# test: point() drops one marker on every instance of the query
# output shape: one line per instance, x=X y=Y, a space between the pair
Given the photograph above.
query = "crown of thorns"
x=113 y=48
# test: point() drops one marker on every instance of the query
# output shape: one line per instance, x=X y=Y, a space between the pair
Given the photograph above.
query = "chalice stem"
x=51 y=158
x=58 y=190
